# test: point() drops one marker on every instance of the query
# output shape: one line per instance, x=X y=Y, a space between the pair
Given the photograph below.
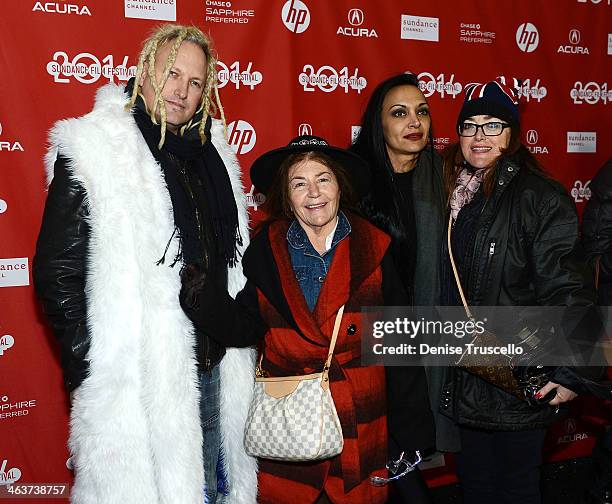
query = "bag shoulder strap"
x=330 y=353
x=468 y=312
x=332 y=344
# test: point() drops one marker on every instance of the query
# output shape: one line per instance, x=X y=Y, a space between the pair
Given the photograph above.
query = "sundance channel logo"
x=161 y=10
x=420 y=28
x=14 y=272
x=582 y=141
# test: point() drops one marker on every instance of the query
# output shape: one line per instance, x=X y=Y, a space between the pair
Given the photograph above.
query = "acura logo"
x=355 y=17
x=574 y=36
x=304 y=129
x=570 y=426
x=532 y=137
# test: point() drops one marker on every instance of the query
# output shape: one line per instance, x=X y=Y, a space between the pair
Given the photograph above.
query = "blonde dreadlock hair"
x=176 y=35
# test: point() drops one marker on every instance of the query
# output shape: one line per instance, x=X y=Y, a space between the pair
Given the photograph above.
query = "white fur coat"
x=135 y=434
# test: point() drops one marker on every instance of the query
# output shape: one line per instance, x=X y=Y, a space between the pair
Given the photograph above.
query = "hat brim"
x=265 y=168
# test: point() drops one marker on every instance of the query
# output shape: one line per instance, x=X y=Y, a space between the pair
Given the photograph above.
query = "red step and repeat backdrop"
x=286 y=67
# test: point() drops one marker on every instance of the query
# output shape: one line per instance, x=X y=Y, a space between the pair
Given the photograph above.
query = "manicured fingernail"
x=538 y=395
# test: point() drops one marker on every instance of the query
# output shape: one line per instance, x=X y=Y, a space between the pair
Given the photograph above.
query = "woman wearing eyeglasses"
x=515 y=242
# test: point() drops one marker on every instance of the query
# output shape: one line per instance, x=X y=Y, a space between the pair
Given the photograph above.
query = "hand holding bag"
x=294 y=418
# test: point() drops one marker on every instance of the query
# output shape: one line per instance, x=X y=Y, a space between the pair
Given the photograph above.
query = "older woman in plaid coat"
x=309 y=259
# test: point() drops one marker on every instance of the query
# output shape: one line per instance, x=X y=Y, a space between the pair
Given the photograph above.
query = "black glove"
x=193 y=279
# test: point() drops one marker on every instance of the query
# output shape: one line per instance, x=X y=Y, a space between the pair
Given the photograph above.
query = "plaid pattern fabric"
x=354 y=279
x=301 y=426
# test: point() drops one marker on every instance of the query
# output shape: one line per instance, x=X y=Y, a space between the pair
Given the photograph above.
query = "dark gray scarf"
x=205 y=161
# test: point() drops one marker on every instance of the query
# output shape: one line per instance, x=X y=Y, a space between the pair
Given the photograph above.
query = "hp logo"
x=242 y=136
x=527 y=37
x=296 y=16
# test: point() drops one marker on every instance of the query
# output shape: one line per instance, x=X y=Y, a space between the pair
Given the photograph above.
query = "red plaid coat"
x=297 y=343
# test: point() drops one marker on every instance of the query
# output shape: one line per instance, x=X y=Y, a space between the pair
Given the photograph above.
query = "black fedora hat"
x=265 y=168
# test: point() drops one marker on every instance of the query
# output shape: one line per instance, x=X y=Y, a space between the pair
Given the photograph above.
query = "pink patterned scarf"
x=467 y=185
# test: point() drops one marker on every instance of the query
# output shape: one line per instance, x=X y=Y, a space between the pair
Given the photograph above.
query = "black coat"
x=526 y=253
x=597 y=230
x=60 y=271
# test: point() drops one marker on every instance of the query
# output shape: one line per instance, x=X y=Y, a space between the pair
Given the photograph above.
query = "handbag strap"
x=468 y=312
x=332 y=344
x=330 y=353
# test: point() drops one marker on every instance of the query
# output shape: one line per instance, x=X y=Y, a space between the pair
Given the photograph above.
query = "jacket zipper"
x=490 y=255
x=190 y=191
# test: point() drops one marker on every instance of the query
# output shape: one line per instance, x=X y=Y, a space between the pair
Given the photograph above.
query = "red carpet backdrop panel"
x=286 y=67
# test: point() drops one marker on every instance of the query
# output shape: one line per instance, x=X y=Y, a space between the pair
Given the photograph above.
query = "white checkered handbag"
x=293 y=418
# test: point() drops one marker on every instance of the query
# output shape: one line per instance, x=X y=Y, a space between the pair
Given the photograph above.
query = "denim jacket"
x=309 y=266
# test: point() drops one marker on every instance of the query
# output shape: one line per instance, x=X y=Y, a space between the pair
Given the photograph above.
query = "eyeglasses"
x=394 y=466
x=469 y=129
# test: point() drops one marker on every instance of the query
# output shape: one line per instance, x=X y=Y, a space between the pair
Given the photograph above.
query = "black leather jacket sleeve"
x=597 y=230
x=560 y=274
x=59 y=270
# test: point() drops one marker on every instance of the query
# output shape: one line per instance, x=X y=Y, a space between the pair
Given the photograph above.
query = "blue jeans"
x=211 y=434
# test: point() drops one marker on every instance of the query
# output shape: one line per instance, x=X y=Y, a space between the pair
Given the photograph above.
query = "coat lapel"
x=335 y=290
x=268 y=265
x=293 y=294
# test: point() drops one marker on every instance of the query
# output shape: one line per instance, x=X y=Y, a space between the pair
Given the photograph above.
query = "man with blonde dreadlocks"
x=140 y=187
